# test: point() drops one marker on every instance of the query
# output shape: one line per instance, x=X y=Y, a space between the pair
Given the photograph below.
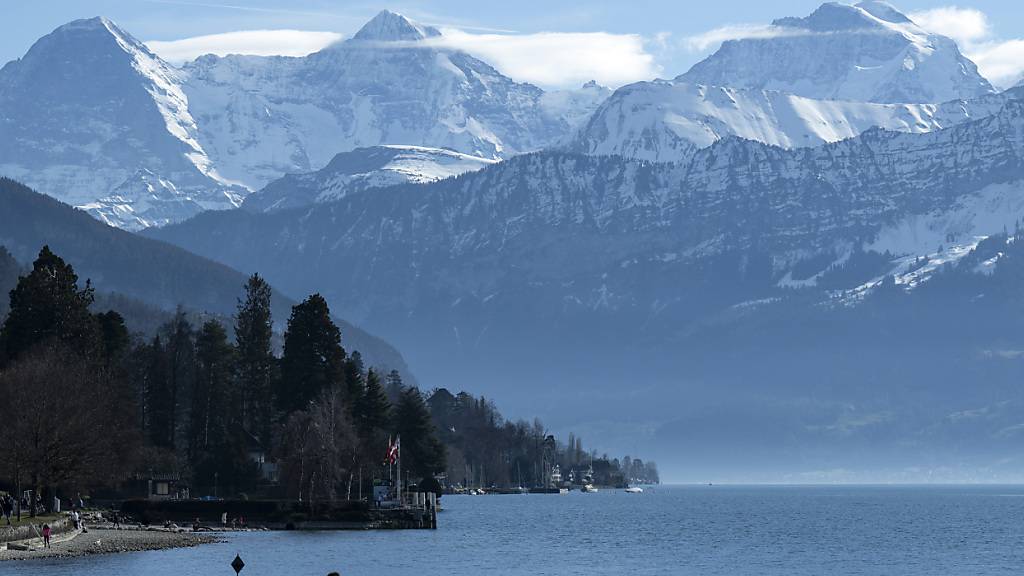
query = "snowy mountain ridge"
x=665 y=120
x=810 y=81
x=618 y=224
x=363 y=169
x=205 y=135
x=868 y=52
x=65 y=106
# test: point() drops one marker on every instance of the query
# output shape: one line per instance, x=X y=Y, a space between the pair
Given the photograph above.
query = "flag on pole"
x=392 y=455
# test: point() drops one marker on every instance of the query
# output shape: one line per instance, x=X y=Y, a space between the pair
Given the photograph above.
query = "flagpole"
x=399 y=442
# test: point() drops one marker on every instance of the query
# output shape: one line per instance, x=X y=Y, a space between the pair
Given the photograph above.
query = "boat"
x=634 y=490
x=587 y=488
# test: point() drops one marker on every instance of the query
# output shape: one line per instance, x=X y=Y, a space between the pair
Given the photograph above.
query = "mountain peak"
x=883 y=11
x=388 y=26
x=836 y=17
x=92 y=33
x=868 y=52
x=96 y=24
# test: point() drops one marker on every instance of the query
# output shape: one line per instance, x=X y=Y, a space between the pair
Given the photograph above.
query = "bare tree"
x=319 y=449
x=60 y=427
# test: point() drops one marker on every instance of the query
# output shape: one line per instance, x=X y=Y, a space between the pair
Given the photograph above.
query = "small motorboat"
x=588 y=488
x=634 y=490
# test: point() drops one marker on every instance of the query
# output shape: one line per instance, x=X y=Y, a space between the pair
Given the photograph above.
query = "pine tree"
x=113 y=336
x=253 y=399
x=313 y=359
x=180 y=352
x=47 y=305
x=156 y=396
x=354 y=381
x=423 y=454
x=393 y=386
x=373 y=409
x=214 y=367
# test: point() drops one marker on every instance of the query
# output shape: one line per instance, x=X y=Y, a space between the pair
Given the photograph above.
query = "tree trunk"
x=17 y=475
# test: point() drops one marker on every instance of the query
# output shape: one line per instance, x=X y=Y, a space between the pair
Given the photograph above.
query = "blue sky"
x=638 y=39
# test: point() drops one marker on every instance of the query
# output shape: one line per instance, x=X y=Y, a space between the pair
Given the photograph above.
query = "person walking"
x=46 y=535
x=8 y=507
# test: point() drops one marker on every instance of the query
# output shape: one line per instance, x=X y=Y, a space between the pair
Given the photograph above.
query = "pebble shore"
x=99 y=541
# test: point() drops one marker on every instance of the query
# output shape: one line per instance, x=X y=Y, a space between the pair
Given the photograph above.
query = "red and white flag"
x=393 y=448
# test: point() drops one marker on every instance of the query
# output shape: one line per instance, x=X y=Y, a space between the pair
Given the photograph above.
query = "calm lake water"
x=667 y=530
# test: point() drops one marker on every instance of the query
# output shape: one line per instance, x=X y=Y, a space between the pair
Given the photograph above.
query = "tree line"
x=487 y=450
x=89 y=404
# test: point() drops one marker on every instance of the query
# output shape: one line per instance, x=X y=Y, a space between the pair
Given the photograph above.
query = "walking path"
x=103 y=541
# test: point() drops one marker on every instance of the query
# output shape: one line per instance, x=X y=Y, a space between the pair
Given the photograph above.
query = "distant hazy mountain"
x=92 y=117
x=577 y=279
x=664 y=121
x=363 y=169
x=150 y=271
x=832 y=75
x=869 y=52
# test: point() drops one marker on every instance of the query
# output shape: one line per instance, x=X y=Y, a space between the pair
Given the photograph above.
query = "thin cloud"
x=558 y=59
x=249 y=42
x=550 y=59
x=965 y=25
x=240 y=7
x=1000 y=60
x=712 y=38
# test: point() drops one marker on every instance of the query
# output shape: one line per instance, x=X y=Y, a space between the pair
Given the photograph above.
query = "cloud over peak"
x=249 y=42
x=1000 y=60
x=550 y=59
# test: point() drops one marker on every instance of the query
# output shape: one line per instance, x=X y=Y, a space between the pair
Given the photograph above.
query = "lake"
x=706 y=530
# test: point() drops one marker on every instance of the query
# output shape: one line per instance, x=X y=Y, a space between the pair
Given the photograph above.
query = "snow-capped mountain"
x=569 y=241
x=363 y=169
x=664 y=121
x=94 y=118
x=88 y=108
x=557 y=272
x=869 y=52
x=390 y=84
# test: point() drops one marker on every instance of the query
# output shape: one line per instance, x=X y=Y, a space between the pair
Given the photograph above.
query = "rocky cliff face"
x=363 y=169
x=560 y=237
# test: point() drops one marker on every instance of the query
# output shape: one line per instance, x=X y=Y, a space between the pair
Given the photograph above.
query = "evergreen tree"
x=354 y=384
x=423 y=454
x=394 y=387
x=253 y=398
x=180 y=351
x=214 y=368
x=113 y=336
x=313 y=359
x=156 y=419
x=373 y=409
x=48 y=305
x=9 y=272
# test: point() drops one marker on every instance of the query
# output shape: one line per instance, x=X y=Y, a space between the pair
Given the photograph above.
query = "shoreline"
x=110 y=541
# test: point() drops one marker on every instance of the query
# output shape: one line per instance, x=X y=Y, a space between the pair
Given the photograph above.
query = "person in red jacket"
x=46 y=535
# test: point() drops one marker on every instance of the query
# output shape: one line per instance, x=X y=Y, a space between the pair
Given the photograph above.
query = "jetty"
x=416 y=511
